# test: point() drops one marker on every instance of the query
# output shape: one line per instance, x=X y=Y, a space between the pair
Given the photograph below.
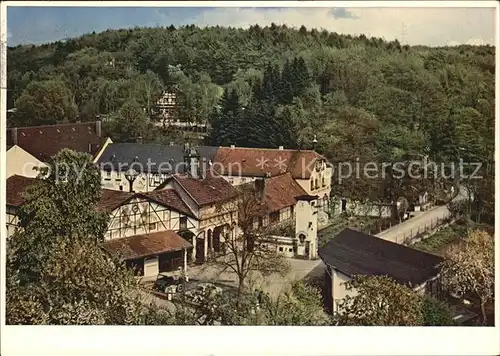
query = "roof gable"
x=169 y=198
x=210 y=189
x=15 y=187
x=112 y=199
x=280 y=192
x=44 y=142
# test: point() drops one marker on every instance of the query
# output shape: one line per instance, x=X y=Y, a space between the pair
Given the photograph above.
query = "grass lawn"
x=445 y=237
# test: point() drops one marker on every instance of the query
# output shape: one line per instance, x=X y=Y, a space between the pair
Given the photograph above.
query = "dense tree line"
x=363 y=98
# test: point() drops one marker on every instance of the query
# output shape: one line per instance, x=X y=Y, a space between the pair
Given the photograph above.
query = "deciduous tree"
x=250 y=252
x=379 y=301
x=56 y=271
x=469 y=268
x=45 y=102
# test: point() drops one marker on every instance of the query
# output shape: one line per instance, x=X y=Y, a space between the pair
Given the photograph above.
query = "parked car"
x=169 y=284
x=202 y=290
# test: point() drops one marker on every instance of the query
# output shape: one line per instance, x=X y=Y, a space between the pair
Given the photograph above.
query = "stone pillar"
x=184 y=271
x=193 y=252
x=205 y=247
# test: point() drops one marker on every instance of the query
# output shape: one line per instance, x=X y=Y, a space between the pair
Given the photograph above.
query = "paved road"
x=313 y=270
x=420 y=220
x=273 y=284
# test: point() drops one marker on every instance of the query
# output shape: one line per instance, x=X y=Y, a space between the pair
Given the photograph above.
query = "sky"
x=413 y=26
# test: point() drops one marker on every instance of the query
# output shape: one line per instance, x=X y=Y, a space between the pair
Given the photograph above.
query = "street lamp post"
x=131 y=175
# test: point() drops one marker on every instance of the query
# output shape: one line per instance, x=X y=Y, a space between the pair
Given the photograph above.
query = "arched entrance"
x=217 y=239
x=209 y=237
x=200 y=247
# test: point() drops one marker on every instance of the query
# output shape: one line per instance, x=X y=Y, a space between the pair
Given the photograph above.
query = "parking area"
x=274 y=284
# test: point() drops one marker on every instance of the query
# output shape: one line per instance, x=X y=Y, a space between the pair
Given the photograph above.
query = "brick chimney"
x=98 y=128
x=13 y=132
x=203 y=168
x=260 y=185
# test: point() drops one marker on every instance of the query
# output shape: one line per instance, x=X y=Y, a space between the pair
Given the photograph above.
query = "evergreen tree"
x=226 y=120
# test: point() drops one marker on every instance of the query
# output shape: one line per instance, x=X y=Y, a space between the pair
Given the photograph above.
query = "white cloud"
x=426 y=26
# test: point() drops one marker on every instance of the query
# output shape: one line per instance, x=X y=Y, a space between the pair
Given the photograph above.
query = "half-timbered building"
x=144 y=230
x=212 y=200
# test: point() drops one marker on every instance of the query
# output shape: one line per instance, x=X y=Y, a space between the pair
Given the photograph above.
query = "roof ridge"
x=263 y=148
x=55 y=125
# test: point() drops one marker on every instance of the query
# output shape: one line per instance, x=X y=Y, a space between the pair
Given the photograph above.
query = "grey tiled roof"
x=161 y=158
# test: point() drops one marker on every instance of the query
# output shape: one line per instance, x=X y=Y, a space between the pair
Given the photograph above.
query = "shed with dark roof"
x=352 y=253
x=356 y=253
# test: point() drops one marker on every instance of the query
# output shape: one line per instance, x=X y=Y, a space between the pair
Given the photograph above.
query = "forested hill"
x=265 y=87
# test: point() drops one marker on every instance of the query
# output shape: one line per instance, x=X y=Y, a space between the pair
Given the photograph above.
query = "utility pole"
x=403 y=33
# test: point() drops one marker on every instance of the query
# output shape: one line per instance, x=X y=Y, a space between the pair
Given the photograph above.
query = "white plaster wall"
x=22 y=163
x=237 y=180
x=283 y=245
x=339 y=291
x=143 y=183
x=167 y=220
x=326 y=173
x=151 y=266
x=305 y=213
x=372 y=210
x=338 y=287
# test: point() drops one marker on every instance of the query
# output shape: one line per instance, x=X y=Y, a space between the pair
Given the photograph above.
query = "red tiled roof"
x=280 y=192
x=111 y=199
x=44 y=142
x=259 y=161
x=213 y=188
x=171 y=199
x=138 y=246
x=16 y=185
